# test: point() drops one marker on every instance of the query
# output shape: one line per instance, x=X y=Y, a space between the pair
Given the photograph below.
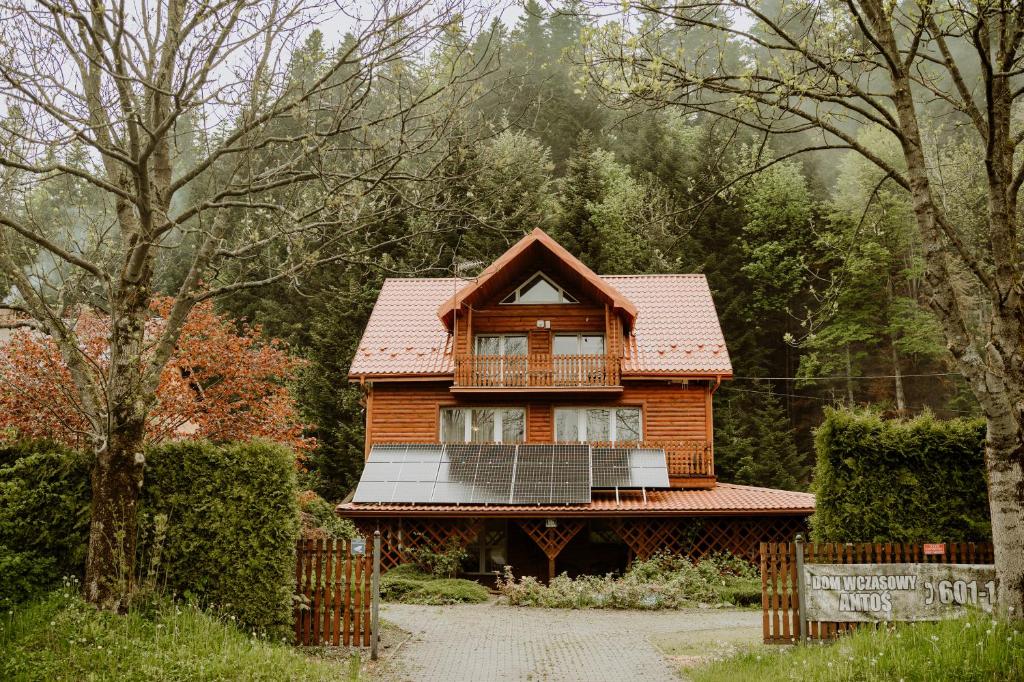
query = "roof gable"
x=535 y=252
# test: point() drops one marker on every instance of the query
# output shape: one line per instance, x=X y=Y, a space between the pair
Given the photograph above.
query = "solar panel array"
x=475 y=473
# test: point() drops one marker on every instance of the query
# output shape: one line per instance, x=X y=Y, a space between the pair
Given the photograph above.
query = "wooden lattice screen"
x=780 y=601
x=332 y=594
x=698 y=538
x=400 y=536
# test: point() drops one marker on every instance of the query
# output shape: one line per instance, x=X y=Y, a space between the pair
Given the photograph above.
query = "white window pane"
x=513 y=426
x=592 y=344
x=539 y=291
x=566 y=425
x=627 y=424
x=453 y=425
x=488 y=345
x=515 y=345
x=598 y=425
x=566 y=344
x=483 y=426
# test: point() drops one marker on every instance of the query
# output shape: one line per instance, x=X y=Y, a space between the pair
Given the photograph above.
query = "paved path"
x=484 y=642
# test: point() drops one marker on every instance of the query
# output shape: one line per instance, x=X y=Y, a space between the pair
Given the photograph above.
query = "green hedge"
x=233 y=519
x=916 y=480
x=44 y=517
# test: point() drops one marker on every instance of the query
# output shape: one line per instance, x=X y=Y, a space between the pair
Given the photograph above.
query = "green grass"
x=408 y=585
x=975 y=648
x=60 y=637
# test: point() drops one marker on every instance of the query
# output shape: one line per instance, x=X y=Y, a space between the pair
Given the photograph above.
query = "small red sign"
x=934 y=548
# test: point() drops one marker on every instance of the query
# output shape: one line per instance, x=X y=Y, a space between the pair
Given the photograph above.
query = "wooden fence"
x=332 y=594
x=780 y=602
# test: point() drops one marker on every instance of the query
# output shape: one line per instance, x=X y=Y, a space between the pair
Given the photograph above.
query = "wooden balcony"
x=691 y=463
x=537 y=372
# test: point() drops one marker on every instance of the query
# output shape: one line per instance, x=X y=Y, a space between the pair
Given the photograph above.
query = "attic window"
x=539 y=289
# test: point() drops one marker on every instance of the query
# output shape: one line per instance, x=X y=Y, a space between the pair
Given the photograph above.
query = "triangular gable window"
x=539 y=289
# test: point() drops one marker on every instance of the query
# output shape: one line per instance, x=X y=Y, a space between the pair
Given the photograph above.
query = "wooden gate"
x=780 y=602
x=332 y=594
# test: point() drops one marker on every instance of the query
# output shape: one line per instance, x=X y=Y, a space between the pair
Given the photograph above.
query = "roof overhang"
x=536 y=251
x=351 y=510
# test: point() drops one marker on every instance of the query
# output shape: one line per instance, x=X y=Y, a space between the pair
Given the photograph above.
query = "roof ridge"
x=763 y=489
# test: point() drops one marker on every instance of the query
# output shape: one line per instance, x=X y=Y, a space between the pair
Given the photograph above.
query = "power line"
x=803 y=396
x=846 y=378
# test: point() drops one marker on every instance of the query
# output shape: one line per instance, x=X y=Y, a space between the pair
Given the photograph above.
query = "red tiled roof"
x=676 y=328
x=723 y=499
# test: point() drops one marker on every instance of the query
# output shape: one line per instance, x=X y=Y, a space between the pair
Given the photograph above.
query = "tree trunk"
x=849 y=376
x=116 y=483
x=901 y=398
x=1004 y=461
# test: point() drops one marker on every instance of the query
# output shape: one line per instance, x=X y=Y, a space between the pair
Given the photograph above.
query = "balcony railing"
x=536 y=370
x=685 y=458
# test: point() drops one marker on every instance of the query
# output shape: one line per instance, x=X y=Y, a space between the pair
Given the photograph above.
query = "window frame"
x=579 y=343
x=564 y=297
x=501 y=343
x=581 y=422
x=468 y=422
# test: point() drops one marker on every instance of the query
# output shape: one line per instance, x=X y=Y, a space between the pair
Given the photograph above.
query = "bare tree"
x=198 y=137
x=808 y=75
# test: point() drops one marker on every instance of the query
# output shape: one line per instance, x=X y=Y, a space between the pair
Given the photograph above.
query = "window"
x=578 y=344
x=539 y=289
x=489 y=551
x=483 y=425
x=500 y=344
x=598 y=424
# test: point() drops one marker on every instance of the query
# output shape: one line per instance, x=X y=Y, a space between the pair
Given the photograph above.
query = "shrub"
x=409 y=585
x=443 y=564
x=664 y=581
x=23 y=575
x=879 y=480
x=44 y=509
x=321 y=513
x=232 y=524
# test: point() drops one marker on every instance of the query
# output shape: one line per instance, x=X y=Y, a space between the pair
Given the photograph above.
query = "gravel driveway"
x=483 y=642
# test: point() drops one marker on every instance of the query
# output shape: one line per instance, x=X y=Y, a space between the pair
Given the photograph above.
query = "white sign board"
x=853 y=593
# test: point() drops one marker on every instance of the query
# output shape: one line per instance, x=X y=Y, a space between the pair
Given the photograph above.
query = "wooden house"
x=551 y=419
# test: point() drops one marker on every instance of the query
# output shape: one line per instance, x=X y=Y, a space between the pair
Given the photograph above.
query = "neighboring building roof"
x=676 y=330
x=531 y=249
x=724 y=499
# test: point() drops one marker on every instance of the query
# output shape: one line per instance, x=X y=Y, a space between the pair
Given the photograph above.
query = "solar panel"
x=552 y=474
x=630 y=468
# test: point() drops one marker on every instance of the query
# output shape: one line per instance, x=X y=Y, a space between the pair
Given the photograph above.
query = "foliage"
x=321 y=513
x=59 y=637
x=23 y=575
x=975 y=647
x=915 y=480
x=665 y=581
x=233 y=522
x=44 y=509
x=222 y=383
x=445 y=563
x=409 y=585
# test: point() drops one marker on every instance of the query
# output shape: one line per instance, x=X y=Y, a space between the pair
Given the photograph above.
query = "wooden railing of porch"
x=685 y=458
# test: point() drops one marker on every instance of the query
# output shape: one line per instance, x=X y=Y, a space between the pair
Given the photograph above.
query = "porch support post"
x=551 y=535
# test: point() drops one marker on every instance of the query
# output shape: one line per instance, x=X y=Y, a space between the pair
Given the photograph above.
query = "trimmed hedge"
x=44 y=517
x=233 y=519
x=903 y=480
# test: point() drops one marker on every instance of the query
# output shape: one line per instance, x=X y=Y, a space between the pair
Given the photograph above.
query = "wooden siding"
x=408 y=412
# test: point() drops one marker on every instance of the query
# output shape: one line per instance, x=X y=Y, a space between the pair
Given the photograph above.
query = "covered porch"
x=545 y=546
